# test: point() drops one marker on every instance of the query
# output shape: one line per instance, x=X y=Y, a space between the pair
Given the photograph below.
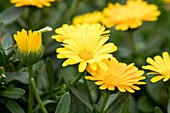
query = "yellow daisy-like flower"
x=85 y=45
x=67 y=31
x=119 y=75
x=92 y=18
x=130 y=15
x=28 y=42
x=160 y=66
x=37 y=3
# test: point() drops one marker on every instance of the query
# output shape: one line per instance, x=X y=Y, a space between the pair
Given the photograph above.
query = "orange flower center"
x=86 y=55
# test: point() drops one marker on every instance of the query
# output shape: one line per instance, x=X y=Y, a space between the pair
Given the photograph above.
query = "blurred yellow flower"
x=166 y=1
x=37 y=3
x=85 y=44
x=94 y=17
x=28 y=42
x=66 y=31
x=119 y=75
x=130 y=15
x=160 y=66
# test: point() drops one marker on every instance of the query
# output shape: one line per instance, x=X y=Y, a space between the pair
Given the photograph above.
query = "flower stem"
x=104 y=102
x=77 y=79
x=37 y=96
x=73 y=83
x=132 y=42
x=31 y=96
x=88 y=91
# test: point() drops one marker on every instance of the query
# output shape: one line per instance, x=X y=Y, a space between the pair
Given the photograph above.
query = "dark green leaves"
x=158 y=110
x=64 y=104
x=13 y=93
x=7 y=43
x=22 y=77
x=81 y=97
x=118 y=104
x=13 y=106
x=1 y=27
x=51 y=75
x=11 y=14
x=3 y=59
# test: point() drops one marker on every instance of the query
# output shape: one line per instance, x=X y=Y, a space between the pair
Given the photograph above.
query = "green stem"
x=88 y=91
x=104 y=102
x=73 y=83
x=37 y=96
x=132 y=42
x=31 y=96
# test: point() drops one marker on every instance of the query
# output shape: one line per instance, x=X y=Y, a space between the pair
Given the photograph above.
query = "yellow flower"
x=160 y=66
x=92 y=18
x=37 y=3
x=130 y=15
x=28 y=42
x=119 y=75
x=166 y=1
x=85 y=44
x=66 y=31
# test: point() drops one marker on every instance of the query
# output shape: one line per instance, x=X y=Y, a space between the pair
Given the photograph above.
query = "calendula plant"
x=97 y=56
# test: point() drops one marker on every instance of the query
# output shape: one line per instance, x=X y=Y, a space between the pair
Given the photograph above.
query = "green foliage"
x=3 y=59
x=11 y=14
x=7 y=43
x=13 y=106
x=21 y=77
x=64 y=104
x=13 y=93
x=1 y=27
x=55 y=83
x=157 y=110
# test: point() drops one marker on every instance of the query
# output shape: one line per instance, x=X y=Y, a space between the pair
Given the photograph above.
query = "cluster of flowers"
x=84 y=42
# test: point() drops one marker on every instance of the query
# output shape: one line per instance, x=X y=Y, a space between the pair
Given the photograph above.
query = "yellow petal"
x=82 y=66
x=157 y=78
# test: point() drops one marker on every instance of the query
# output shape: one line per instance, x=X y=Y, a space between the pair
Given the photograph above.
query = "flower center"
x=86 y=55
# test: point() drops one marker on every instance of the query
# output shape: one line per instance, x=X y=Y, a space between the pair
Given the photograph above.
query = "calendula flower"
x=130 y=15
x=66 y=31
x=120 y=75
x=160 y=66
x=93 y=18
x=30 y=47
x=28 y=42
x=37 y=3
x=85 y=44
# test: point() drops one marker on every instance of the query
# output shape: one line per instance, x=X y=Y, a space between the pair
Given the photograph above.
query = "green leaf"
x=13 y=106
x=51 y=74
x=11 y=14
x=22 y=77
x=7 y=42
x=45 y=102
x=155 y=90
x=64 y=104
x=168 y=108
x=158 y=110
x=70 y=73
x=117 y=105
x=1 y=27
x=13 y=93
x=3 y=59
x=125 y=108
x=145 y=104
x=81 y=97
